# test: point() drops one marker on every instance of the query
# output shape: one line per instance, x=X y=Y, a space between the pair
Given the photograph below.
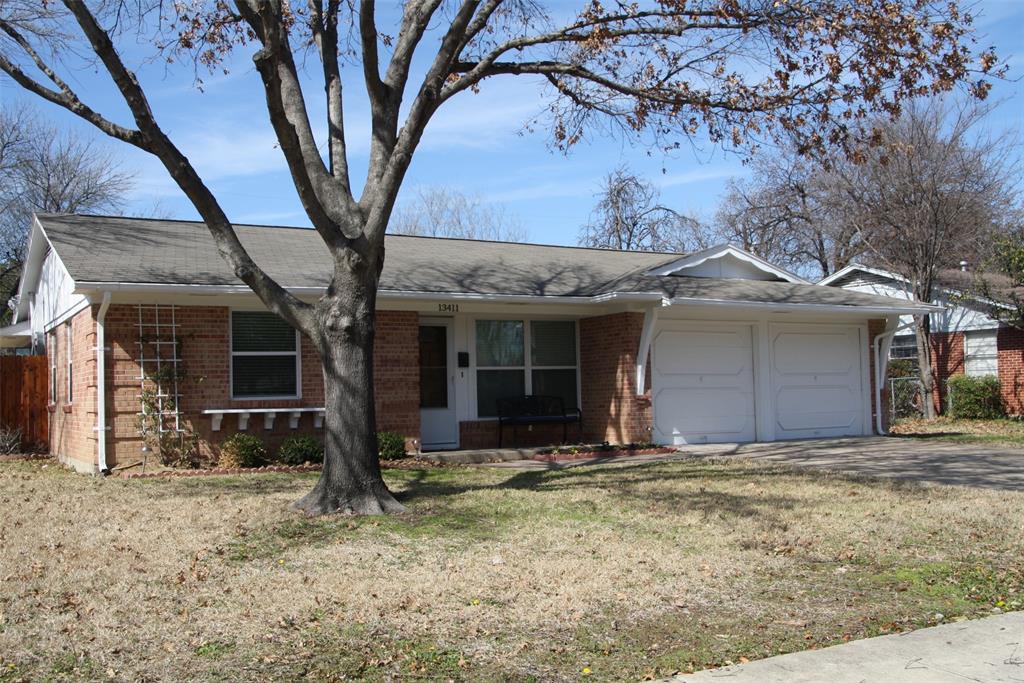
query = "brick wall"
x=203 y=335
x=475 y=434
x=1011 y=368
x=947 y=361
x=72 y=418
x=611 y=409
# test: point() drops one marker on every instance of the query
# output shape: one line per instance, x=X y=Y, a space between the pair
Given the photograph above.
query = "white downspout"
x=883 y=342
x=101 y=387
x=650 y=317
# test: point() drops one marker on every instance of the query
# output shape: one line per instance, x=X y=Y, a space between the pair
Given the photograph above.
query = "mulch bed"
x=594 y=455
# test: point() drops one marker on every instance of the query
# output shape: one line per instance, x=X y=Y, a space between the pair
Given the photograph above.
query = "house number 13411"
x=448 y=308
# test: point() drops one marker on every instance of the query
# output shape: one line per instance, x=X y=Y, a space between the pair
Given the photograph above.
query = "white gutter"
x=910 y=309
x=101 y=385
x=883 y=342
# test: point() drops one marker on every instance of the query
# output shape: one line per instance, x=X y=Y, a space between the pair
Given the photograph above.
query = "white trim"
x=904 y=281
x=646 y=335
x=910 y=309
x=451 y=359
x=101 y=386
x=717 y=252
x=231 y=364
x=51 y=351
x=63 y=316
x=839 y=274
x=69 y=362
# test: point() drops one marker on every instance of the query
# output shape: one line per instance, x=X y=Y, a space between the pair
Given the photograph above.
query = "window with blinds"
x=506 y=368
x=981 y=353
x=264 y=356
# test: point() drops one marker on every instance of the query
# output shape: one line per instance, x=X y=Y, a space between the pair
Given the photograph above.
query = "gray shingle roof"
x=144 y=251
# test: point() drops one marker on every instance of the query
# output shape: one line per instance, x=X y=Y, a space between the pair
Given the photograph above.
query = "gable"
x=729 y=262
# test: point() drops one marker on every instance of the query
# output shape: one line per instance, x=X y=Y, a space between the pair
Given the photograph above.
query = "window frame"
x=52 y=351
x=69 y=362
x=993 y=356
x=894 y=346
x=528 y=367
x=231 y=362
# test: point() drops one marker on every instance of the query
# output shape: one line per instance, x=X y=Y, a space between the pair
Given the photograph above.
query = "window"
x=264 y=356
x=52 y=344
x=71 y=360
x=980 y=353
x=904 y=347
x=504 y=368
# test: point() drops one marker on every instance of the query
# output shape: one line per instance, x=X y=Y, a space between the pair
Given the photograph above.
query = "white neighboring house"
x=965 y=338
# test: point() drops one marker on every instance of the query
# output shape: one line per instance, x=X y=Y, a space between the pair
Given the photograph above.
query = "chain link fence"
x=905 y=398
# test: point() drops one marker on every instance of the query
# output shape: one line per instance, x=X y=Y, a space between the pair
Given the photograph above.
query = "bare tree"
x=934 y=192
x=658 y=72
x=629 y=215
x=447 y=212
x=783 y=213
x=47 y=171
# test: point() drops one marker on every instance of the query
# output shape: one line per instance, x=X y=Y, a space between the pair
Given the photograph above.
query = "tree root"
x=375 y=502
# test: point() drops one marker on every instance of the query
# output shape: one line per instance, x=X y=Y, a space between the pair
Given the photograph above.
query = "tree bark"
x=924 y=365
x=351 y=481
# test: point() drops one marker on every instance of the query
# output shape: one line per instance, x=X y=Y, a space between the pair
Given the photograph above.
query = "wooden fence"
x=23 y=396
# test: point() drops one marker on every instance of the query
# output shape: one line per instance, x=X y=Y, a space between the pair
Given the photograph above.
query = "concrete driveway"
x=916 y=459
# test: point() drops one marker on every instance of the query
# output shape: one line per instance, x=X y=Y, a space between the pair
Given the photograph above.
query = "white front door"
x=817 y=381
x=439 y=428
x=703 y=383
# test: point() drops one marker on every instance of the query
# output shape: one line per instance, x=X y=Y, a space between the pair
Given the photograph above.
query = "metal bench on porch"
x=535 y=410
x=269 y=415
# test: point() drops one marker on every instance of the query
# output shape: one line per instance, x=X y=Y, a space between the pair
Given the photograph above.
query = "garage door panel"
x=817 y=381
x=702 y=353
x=817 y=408
x=810 y=353
x=703 y=385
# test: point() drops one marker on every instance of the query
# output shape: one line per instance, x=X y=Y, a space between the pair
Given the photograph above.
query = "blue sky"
x=477 y=144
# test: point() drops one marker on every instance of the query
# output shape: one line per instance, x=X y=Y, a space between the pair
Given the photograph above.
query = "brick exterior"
x=611 y=409
x=203 y=335
x=72 y=439
x=475 y=434
x=1011 y=368
x=947 y=361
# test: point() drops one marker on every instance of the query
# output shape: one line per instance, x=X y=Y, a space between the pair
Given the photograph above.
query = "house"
x=143 y=321
x=965 y=338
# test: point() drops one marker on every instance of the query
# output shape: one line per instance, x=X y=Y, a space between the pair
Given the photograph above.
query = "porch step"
x=480 y=456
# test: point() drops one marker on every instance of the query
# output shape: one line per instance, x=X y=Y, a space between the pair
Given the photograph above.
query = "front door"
x=439 y=428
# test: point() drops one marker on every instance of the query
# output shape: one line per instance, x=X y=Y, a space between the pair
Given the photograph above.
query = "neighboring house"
x=718 y=346
x=965 y=339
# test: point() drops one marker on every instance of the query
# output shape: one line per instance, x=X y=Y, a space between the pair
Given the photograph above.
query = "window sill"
x=67 y=408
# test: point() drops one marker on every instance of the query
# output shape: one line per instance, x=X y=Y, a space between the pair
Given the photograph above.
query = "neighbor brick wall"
x=475 y=434
x=72 y=439
x=203 y=334
x=947 y=361
x=611 y=409
x=1011 y=368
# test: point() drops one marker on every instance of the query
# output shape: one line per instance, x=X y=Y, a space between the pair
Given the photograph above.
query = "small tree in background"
x=44 y=170
x=629 y=215
x=447 y=212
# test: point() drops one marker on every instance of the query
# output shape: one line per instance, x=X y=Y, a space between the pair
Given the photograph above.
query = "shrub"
x=297 y=450
x=242 y=450
x=10 y=441
x=390 y=446
x=975 y=398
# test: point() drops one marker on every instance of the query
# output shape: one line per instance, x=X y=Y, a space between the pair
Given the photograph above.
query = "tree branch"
x=325 y=33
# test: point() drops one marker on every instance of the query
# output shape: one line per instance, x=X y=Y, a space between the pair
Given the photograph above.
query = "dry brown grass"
x=996 y=432
x=627 y=571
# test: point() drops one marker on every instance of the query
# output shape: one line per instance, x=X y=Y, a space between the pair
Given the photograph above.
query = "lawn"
x=602 y=573
x=993 y=432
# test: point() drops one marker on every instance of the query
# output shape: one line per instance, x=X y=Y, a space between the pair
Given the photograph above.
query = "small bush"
x=297 y=450
x=390 y=446
x=242 y=450
x=975 y=398
x=10 y=441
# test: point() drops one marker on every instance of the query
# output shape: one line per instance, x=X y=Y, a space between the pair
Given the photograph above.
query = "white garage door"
x=703 y=384
x=817 y=381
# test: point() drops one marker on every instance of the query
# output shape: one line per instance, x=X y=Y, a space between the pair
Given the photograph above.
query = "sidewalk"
x=987 y=650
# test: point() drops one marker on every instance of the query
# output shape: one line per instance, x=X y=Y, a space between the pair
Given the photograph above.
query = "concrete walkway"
x=899 y=458
x=988 y=650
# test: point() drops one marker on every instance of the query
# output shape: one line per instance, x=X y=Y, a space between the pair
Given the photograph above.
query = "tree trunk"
x=924 y=365
x=351 y=481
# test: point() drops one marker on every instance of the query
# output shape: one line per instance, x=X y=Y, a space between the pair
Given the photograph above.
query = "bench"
x=217 y=415
x=535 y=410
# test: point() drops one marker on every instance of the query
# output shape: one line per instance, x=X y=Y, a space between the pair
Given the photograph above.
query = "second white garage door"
x=703 y=384
x=817 y=381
